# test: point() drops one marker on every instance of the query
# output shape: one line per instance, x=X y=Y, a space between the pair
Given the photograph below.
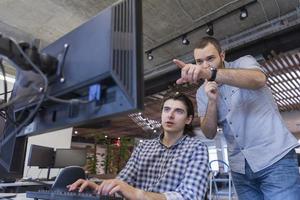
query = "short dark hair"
x=188 y=128
x=209 y=40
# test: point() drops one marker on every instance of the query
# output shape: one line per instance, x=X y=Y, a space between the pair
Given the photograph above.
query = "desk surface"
x=20 y=184
x=14 y=196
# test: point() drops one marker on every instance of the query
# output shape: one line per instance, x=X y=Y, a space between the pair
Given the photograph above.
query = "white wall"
x=9 y=87
x=56 y=139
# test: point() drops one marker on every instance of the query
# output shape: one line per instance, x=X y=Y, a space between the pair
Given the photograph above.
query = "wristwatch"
x=213 y=74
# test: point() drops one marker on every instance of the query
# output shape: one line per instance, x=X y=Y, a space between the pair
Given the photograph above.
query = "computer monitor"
x=70 y=157
x=41 y=156
x=12 y=151
x=97 y=74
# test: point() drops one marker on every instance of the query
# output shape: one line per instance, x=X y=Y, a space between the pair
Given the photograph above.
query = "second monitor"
x=70 y=157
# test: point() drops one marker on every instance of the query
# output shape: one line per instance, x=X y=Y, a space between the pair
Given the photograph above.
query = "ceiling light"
x=210 y=29
x=149 y=55
x=244 y=13
x=185 y=41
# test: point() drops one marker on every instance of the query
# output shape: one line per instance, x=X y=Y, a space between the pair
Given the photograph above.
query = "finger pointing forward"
x=179 y=63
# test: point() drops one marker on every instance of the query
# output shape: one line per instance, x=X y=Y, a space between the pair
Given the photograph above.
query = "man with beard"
x=235 y=97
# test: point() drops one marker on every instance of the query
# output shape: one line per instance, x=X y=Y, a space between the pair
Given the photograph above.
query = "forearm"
x=209 y=122
x=242 y=78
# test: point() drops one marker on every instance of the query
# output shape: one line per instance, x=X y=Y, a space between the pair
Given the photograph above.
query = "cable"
x=279 y=11
x=6 y=92
x=45 y=88
x=182 y=8
x=4 y=80
x=264 y=11
x=71 y=101
x=217 y=10
x=4 y=115
x=38 y=176
x=14 y=100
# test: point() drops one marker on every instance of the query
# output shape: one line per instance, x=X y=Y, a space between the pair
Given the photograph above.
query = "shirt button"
x=236 y=136
x=228 y=110
x=242 y=148
x=225 y=98
x=230 y=122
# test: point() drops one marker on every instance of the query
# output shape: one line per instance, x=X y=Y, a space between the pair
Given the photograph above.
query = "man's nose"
x=171 y=115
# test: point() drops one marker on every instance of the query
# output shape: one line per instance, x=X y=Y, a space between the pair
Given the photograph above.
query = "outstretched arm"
x=250 y=78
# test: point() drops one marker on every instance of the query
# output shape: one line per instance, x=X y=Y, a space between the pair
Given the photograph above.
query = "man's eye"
x=166 y=109
x=180 y=111
x=210 y=59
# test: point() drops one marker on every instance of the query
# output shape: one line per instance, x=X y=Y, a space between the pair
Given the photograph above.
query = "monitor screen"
x=40 y=156
x=12 y=150
x=70 y=157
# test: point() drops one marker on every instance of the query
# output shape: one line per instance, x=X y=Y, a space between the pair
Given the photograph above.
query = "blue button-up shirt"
x=251 y=122
x=179 y=172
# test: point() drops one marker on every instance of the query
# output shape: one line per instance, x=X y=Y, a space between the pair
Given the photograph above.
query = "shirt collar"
x=179 y=141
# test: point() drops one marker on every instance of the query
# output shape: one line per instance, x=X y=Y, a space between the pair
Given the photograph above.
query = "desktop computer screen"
x=93 y=73
x=40 y=156
x=70 y=157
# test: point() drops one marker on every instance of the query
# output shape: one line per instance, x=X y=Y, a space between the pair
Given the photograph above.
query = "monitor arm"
x=11 y=49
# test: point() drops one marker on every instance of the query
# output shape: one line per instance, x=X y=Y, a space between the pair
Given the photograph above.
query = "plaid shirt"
x=179 y=171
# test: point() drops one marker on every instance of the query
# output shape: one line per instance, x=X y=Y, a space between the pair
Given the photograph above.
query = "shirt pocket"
x=241 y=97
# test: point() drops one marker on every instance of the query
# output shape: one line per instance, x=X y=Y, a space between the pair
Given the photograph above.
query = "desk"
x=13 y=196
x=23 y=186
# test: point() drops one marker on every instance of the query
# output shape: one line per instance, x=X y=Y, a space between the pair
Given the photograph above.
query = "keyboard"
x=65 y=195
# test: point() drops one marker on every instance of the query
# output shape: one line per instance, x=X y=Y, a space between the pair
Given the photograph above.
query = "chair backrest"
x=68 y=176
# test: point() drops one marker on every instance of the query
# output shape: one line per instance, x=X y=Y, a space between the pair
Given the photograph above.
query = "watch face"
x=213 y=74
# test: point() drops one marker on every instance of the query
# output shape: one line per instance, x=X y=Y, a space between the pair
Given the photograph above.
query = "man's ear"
x=189 y=120
x=222 y=54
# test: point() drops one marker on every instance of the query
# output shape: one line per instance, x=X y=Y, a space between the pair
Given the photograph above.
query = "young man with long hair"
x=172 y=166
